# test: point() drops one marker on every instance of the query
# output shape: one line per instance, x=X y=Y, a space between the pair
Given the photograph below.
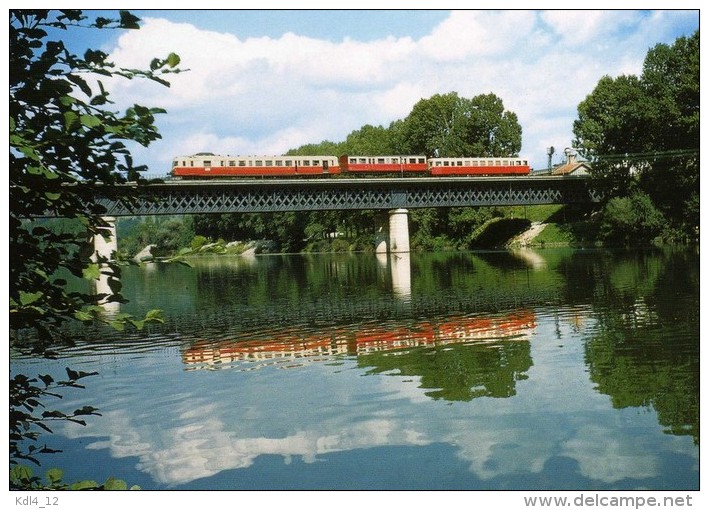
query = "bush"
x=631 y=220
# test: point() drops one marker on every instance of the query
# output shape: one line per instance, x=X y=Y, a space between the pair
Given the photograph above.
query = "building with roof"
x=572 y=166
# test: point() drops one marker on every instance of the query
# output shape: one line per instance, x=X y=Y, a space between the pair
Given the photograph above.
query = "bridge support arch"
x=391 y=232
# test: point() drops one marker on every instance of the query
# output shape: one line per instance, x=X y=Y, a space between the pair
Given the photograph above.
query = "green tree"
x=484 y=128
x=369 y=140
x=67 y=149
x=642 y=133
x=614 y=120
x=451 y=126
x=430 y=124
x=671 y=78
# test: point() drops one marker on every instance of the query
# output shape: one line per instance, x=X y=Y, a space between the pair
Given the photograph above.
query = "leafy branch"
x=63 y=142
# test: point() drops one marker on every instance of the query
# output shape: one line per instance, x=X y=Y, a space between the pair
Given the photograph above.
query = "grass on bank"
x=564 y=225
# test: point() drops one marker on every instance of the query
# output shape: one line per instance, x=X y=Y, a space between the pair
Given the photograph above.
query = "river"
x=550 y=369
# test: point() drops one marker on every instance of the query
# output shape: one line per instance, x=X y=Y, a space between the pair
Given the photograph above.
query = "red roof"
x=570 y=168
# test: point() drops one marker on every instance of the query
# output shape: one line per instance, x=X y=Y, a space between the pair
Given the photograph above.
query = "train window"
x=380 y=161
x=394 y=160
x=363 y=160
x=498 y=163
x=242 y=162
x=258 y=162
x=316 y=162
x=268 y=162
x=232 y=162
x=279 y=162
x=207 y=163
x=306 y=162
x=289 y=162
x=353 y=160
x=459 y=163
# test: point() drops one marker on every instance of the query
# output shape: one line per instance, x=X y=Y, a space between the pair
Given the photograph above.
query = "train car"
x=477 y=166
x=207 y=165
x=402 y=165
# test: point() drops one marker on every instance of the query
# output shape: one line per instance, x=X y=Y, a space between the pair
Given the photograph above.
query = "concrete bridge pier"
x=391 y=234
x=106 y=246
x=399 y=231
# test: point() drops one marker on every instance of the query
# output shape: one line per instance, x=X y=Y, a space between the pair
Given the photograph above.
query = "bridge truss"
x=200 y=197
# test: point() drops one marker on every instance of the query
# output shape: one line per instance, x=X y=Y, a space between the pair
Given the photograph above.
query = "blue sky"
x=266 y=81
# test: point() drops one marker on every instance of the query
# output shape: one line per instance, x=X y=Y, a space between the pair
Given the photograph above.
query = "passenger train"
x=212 y=166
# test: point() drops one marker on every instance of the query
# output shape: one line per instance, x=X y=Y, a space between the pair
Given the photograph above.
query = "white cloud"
x=584 y=27
x=468 y=34
x=601 y=456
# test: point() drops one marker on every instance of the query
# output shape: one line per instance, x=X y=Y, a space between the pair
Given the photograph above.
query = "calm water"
x=532 y=370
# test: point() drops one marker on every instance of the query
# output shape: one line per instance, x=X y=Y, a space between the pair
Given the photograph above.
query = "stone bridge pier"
x=391 y=232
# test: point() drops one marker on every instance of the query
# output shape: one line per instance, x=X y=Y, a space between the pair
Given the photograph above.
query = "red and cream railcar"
x=206 y=165
x=478 y=166
x=383 y=164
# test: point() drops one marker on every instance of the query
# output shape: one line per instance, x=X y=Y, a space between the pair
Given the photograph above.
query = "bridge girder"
x=209 y=197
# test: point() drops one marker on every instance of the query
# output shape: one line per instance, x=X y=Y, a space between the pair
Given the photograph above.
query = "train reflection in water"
x=290 y=344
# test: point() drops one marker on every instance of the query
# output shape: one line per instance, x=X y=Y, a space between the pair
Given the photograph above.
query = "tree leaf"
x=27 y=298
x=83 y=485
x=90 y=121
x=78 y=80
x=173 y=60
x=92 y=272
x=114 y=484
x=82 y=316
x=71 y=121
x=128 y=20
x=55 y=475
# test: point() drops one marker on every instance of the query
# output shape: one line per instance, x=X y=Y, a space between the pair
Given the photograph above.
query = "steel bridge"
x=281 y=195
